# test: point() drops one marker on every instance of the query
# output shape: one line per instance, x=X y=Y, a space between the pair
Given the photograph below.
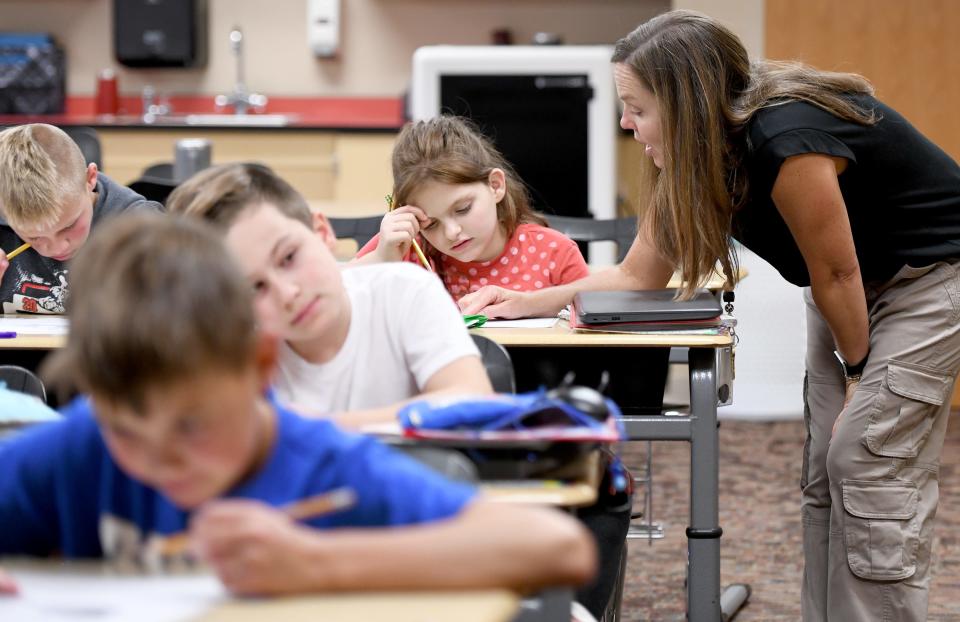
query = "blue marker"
x=8 y=335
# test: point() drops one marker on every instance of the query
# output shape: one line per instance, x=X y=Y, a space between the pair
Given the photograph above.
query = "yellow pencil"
x=17 y=251
x=416 y=247
x=336 y=500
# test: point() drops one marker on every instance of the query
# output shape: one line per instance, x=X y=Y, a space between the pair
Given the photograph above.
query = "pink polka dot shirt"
x=533 y=258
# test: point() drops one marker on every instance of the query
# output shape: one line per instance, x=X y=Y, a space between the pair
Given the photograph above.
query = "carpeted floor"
x=759 y=513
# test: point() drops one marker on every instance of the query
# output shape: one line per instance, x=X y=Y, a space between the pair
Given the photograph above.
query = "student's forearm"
x=370 y=258
x=463 y=377
x=842 y=302
x=487 y=545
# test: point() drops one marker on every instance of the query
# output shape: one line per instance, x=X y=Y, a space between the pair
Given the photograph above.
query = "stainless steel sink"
x=222 y=120
x=259 y=120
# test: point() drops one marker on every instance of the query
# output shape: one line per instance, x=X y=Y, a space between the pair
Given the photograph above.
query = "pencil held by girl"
x=460 y=197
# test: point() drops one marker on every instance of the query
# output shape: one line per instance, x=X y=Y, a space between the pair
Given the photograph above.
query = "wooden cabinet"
x=324 y=165
x=341 y=173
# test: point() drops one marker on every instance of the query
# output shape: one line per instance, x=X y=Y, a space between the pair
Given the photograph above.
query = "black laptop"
x=654 y=305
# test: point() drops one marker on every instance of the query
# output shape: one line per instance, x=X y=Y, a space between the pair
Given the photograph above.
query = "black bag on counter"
x=32 y=74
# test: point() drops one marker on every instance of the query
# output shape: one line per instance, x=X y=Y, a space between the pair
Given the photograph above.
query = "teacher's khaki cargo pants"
x=869 y=494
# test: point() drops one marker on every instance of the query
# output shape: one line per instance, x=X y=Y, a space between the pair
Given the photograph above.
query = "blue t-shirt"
x=61 y=492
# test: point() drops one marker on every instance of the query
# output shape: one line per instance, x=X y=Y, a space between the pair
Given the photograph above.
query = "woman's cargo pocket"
x=904 y=409
x=880 y=529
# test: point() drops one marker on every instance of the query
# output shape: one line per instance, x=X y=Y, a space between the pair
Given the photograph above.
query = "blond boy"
x=180 y=433
x=50 y=198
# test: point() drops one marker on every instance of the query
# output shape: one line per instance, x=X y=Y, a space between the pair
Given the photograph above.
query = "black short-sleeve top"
x=902 y=192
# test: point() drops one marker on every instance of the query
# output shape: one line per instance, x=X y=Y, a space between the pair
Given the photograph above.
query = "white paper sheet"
x=530 y=322
x=54 y=596
x=35 y=325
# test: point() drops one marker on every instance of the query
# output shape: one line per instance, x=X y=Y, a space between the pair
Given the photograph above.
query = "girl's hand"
x=398 y=230
x=253 y=547
x=495 y=302
x=8 y=587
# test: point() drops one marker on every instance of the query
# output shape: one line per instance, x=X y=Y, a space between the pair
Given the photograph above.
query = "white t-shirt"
x=404 y=328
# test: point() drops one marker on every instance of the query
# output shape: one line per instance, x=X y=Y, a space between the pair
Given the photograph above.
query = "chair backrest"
x=361 y=229
x=153 y=189
x=159 y=171
x=496 y=360
x=22 y=379
x=619 y=230
x=88 y=141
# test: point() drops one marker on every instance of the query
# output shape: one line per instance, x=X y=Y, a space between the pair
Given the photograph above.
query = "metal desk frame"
x=699 y=428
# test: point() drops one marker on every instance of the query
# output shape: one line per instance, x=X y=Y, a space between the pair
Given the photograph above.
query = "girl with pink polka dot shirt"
x=470 y=213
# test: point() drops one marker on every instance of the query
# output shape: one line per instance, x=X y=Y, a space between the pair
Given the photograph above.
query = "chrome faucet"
x=153 y=105
x=241 y=99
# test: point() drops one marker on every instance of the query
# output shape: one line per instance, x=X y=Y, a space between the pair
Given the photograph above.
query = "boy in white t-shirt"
x=358 y=343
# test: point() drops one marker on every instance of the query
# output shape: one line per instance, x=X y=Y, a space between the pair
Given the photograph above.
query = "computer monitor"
x=551 y=110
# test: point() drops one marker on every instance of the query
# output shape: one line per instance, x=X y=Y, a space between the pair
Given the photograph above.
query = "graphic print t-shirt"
x=37 y=284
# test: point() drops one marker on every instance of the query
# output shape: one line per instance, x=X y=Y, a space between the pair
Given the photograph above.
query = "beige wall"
x=378 y=38
x=744 y=17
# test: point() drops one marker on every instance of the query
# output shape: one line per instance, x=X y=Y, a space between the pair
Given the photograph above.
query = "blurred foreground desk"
x=81 y=590
x=479 y=606
x=708 y=353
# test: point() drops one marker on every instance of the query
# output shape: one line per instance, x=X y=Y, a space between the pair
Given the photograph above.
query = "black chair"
x=360 y=229
x=496 y=360
x=88 y=141
x=23 y=380
x=155 y=182
x=584 y=230
x=161 y=171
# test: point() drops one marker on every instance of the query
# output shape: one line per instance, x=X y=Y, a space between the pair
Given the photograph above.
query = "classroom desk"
x=31 y=342
x=566 y=494
x=463 y=606
x=699 y=428
x=482 y=605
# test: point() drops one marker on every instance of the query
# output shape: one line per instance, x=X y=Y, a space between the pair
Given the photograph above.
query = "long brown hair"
x=707 y=91
x=452 y=150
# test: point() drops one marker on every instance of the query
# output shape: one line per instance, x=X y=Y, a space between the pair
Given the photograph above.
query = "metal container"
x=190 y=156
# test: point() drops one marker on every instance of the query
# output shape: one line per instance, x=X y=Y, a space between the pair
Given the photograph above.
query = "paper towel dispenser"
x=160 y=33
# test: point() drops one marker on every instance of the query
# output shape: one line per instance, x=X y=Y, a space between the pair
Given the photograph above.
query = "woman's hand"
x=254 y=548
x=851 y=388
x=8 y=587
x=398 y=229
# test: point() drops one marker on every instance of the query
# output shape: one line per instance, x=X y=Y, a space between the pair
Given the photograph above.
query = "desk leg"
x=703 y=534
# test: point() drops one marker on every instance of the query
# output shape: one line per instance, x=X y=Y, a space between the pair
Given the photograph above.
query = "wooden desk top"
x=41 y=341
x=572 y=494
x=561 y=335
x=91 y=585
x=478 y=606
x=558 y=335
x=33 y=342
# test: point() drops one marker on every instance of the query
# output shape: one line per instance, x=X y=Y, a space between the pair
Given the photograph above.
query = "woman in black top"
x=844 y=197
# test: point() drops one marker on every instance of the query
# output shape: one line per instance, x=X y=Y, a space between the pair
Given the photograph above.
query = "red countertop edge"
x=311 y=112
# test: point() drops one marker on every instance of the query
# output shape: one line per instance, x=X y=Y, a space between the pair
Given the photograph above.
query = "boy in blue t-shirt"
x=179 y=435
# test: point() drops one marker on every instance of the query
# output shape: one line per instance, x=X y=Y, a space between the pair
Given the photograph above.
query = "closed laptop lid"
x=654 y=305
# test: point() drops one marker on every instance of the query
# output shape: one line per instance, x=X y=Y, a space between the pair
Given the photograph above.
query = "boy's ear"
x=322 y=227
x=498 y=183
x=266 y=353
x=91 y=179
